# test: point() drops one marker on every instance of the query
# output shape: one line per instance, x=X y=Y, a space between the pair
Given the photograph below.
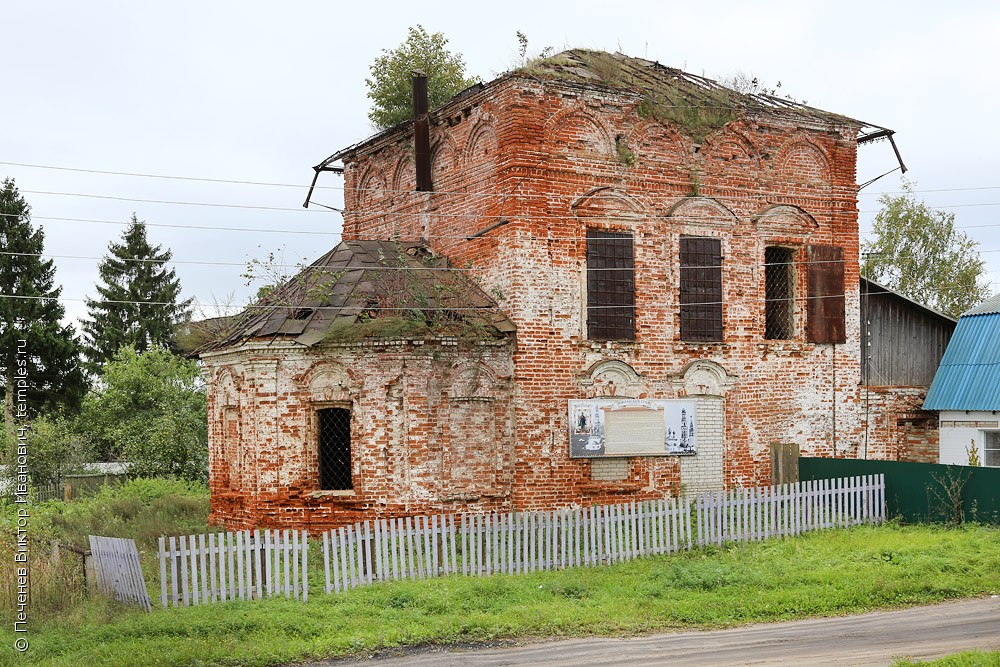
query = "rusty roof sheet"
x=672 y=87
x=370 y=279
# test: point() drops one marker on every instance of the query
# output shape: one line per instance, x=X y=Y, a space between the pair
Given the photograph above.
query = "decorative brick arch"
x=610 y=377
x=471 y=380
x=327 y=382
x=648 y=135
x=226 y=386
x=800 y=158
x=705 y=378
x=481 y=154
x=372 y=186
x=592 y=136
x=482 y=140
x=404 y=178
x=445 y=160
x=607 y=203
x=702 y=211
x=785 y=220
x=226 y=447
x=734 y=151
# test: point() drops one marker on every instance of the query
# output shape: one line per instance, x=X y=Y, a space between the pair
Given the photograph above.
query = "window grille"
x=610 y=286
x=779 y=293
x=701 y=288
x=334 y=449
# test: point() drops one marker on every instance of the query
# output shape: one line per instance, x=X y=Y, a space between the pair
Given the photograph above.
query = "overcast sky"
x=262 y=91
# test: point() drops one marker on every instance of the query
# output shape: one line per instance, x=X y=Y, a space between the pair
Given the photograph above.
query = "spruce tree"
x=137 y=304
x=39 y=355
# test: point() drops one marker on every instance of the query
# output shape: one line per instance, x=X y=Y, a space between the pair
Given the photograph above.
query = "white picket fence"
x=481 y=545
x=216 y=567
x=118 y=570
x=790 y=509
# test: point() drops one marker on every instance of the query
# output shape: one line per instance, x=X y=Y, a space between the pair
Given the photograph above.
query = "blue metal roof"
x=968 y=377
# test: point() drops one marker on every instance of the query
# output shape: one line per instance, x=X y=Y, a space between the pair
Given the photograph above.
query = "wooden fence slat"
x=213 y=567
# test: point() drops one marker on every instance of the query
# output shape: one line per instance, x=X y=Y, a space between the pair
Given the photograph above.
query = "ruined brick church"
x=594 y=279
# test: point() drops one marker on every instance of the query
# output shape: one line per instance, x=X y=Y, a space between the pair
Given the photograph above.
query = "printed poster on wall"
x=615 y=427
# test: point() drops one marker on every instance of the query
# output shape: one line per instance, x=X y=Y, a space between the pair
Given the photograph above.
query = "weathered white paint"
x=960 y=428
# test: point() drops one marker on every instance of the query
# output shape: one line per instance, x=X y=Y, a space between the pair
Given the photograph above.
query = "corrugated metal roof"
x=371 y=279
x=969 y=375
x=991 y=305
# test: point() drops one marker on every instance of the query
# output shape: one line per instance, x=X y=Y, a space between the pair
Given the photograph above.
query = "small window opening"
x=779 y=289
x=991 y=449
x=334 y=429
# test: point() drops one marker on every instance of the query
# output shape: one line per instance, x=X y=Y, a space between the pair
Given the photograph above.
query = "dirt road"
x=869 y=639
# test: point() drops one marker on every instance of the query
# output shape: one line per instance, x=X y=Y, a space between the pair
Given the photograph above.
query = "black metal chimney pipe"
x=421 y=132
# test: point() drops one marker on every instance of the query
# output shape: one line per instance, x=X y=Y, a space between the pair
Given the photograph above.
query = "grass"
x=142 y=509
x=820 y=574
x=964 y=659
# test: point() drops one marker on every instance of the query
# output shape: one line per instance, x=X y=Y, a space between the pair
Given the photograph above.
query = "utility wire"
x=424 y=214
x=341 y=187
x=359 y=308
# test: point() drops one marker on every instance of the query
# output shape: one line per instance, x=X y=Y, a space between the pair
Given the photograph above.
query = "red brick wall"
x=439 y=428
x=543 y=156
x=897 y=428
x=414 y=406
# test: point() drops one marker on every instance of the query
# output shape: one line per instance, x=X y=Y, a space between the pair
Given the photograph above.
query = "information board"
x=616 y=427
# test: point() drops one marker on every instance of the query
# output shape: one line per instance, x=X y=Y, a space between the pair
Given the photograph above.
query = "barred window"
x=779 y=293
x=610 y=286
x=334 y=449
x=701 y=288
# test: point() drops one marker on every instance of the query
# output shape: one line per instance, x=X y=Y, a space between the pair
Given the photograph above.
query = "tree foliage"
x=918 y=252
x=39 y=355
x=389 y=84
x=149 y=409
x=56 y=449
x=138 y=304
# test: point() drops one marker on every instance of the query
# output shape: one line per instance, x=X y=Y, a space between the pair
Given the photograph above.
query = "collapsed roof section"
x=370 y=289
x=696 y=104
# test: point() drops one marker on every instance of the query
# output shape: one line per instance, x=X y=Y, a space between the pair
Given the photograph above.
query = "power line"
x=341 y=187
x=264 y=230
x=169 y=177
x=198 y=227
x=582 y=306
x=140 y=260
x=177 y=203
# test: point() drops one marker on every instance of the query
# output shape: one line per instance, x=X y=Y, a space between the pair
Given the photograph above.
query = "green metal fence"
x=921 y=492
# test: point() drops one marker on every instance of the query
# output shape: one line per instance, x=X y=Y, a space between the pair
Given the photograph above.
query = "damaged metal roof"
x=670 y=94
x=370 y=282
x=671 y=88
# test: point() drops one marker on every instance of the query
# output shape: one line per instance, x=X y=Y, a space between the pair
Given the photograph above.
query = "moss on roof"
x=695 y=104
x=365 y=290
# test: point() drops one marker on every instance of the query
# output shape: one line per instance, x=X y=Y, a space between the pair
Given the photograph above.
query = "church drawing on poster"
x=630 y=427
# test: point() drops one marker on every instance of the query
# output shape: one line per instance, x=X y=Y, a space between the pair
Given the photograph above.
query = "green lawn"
x=966 y=659
x=826 y=573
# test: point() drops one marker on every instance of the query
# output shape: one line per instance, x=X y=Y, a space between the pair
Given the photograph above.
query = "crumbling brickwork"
x=523 y=170
x=897 y=429
x=431 y=431
x=541 y=162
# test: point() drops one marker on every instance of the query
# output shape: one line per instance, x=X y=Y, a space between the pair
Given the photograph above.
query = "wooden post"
x=67 y=492
x=784 y=463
